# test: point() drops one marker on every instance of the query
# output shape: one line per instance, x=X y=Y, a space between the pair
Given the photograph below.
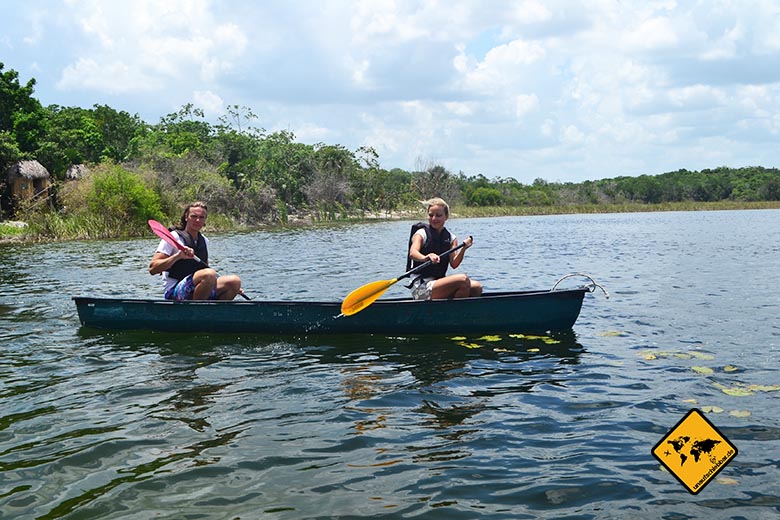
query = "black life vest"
x=434 y=243
x=185 y=267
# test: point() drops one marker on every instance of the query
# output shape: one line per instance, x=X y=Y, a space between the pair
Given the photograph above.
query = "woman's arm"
x=416 y=255
x=162 y=262
x=457 y=258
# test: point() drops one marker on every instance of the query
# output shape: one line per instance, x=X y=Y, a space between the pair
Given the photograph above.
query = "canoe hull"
x=508 y=312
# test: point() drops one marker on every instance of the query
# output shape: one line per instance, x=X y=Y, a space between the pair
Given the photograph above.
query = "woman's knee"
x=231 y=281
x=205 y=275
x=463 y=279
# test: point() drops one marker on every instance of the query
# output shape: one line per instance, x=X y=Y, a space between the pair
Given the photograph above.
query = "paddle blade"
x=364 y=296
x=162 y=232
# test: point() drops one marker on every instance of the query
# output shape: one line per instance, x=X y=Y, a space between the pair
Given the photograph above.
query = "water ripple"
x=140 y=425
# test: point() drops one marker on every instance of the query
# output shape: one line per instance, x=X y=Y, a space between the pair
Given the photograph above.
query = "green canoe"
x=500 y=312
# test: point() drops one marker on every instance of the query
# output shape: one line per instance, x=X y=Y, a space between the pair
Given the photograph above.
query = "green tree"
x=484 y=196
x=122 y=197
x=285 y=166
x=21 y=115
x=436 y=181
x=185 y=131
x=117 y=130
x=9 y=150
x=71 y=138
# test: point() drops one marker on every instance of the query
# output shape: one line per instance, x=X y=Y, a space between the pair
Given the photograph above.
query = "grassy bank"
x=55 y=227
x=475 y=212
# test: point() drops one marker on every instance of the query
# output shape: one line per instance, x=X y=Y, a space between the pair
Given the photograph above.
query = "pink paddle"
x=162 y=232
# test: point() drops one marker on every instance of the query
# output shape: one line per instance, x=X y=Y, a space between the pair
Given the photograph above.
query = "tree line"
x=139 y=170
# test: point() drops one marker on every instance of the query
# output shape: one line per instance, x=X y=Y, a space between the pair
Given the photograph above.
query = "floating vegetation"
x=658 y=354
x=765 y=388
x=463 y=341
x=702 y=370
x=730 y=368
x=547 y=339
x=735 y=391
x=742 y=390
x=613 y=333
x=718 y=409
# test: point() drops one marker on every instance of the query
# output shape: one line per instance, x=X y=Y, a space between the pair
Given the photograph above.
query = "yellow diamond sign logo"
x=694 y=451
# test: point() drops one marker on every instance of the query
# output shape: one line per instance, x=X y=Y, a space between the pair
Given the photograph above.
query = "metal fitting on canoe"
x=591 y=286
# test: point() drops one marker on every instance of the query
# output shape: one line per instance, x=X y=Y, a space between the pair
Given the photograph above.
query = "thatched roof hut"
x=28 y=179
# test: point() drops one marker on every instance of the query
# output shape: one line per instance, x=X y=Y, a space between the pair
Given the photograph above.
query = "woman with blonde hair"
x=427 y=242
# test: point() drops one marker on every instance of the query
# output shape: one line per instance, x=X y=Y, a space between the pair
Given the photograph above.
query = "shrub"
x=113 y=196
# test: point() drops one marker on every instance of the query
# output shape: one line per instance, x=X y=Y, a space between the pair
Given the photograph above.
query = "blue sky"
x=561 y=90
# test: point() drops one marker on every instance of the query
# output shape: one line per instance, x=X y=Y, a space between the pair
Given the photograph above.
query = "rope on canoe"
x=591 y=287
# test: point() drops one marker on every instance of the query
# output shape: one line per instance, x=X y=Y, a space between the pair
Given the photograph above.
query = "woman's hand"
x=187 y=252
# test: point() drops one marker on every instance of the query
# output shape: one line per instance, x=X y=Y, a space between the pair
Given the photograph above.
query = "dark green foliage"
x=146 y=171
x=21 y=115
x=122 y=196
x=483 y=196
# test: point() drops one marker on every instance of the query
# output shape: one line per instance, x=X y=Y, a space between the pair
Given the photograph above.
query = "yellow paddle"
x=364 y=296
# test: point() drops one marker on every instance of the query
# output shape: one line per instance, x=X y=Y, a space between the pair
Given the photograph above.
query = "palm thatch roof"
x=28 y=169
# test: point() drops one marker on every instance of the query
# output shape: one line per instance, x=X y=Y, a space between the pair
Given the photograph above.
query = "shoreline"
x=12 y=231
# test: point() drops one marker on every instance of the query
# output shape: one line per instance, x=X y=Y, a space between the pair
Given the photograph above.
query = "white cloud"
x=504 y=66
x=572 y=135
x=726 y=45
x=211 y=103
x=530 y=11
x=525 y=104
x=697 y=97
x=655 y=33
x=313 y=133
x=530 y=88
x=459 y=109
x=144 y=45
x=114 y=77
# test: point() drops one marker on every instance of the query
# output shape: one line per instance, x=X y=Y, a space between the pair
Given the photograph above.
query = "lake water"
x=137 y=425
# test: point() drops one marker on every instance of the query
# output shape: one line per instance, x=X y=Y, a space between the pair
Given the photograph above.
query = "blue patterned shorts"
x=184 y=290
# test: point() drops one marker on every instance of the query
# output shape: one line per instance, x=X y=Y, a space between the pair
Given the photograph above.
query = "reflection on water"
x=139 y=424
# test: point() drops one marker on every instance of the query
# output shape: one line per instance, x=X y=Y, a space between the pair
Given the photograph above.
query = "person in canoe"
x=426 y=243
x=184 y=278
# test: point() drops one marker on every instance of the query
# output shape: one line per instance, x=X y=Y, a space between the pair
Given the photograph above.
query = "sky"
x=562 y=90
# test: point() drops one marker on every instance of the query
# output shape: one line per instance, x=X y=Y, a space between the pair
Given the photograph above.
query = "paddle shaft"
x=428 y=262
